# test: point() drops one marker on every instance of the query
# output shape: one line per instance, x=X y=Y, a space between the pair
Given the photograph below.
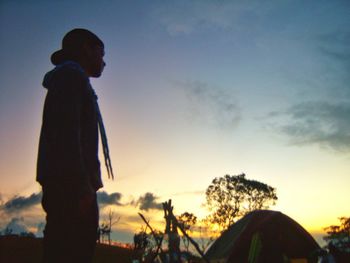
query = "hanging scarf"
x=101 y=127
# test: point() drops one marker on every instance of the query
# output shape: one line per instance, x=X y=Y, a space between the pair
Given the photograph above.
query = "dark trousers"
x=71 y=225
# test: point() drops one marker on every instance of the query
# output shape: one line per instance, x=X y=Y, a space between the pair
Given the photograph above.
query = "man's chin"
x=96 y=75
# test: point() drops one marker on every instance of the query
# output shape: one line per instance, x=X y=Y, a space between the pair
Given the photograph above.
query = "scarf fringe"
x=106 y=155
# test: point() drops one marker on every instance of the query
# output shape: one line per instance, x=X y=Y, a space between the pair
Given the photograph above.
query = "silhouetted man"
x=68 y=167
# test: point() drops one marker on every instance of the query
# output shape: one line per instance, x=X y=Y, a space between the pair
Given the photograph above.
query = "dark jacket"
x=68 y=147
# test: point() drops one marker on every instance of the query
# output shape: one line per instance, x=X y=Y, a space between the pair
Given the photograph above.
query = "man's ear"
x=86 y=50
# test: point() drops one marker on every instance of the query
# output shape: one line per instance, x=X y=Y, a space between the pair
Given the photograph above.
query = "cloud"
x=322 y=116
x=40 y=229
x=19 y=203
x=186 y=17
x=319 y=123
x=17 y=226
x=335 y=43
x=211 y=105
x=148 y=202
x=109 y=199
x=334 y=47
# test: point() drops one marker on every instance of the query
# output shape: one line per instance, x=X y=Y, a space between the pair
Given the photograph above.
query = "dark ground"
x=15 y=249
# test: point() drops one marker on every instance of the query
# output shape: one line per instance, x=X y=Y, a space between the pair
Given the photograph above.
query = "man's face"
x=96 y=62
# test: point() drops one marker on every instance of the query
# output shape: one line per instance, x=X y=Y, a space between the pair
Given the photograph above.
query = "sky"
x=192 y=90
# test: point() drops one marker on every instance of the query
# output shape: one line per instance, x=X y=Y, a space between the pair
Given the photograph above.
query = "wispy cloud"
x=322 y=115
x=320 y=123
x=19 y=203
x=334 y=47
x=186 y=17
x=211 y=105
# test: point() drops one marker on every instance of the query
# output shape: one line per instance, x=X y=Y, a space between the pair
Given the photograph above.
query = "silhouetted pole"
x=194 y=243
x=159 y=244
x=171 y=231
x=171 y=226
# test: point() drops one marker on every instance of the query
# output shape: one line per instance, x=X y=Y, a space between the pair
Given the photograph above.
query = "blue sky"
x=193 y=90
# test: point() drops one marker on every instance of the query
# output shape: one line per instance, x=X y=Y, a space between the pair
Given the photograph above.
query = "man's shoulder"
x=69 y=72
x=66 y=77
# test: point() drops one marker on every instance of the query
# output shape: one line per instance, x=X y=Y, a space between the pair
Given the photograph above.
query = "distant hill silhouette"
x=16 y=249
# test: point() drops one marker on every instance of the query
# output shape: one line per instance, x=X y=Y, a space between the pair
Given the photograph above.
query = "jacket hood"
x=67 y=65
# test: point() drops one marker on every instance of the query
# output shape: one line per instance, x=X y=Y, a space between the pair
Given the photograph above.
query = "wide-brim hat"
x=73 y=43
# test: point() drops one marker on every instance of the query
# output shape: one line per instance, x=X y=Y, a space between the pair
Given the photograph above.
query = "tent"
x=263 y=236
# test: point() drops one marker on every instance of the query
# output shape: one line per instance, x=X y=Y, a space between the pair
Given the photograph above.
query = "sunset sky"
x=192 y=90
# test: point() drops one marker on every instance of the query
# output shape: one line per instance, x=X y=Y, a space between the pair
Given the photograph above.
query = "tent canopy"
x=275 y=234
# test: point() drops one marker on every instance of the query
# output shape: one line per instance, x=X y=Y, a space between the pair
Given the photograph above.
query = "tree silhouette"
x=106 y=227
x=141 y=240
x=339 y=235
x=231 y=197
x=187 y=221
